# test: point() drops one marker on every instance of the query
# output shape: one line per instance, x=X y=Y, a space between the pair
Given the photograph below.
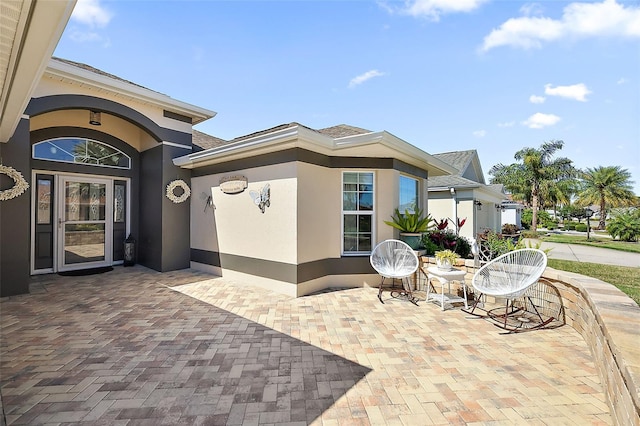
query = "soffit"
x=29 y=32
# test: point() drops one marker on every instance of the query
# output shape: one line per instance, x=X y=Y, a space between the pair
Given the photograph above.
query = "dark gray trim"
x=294 y=274
x=38 y=106
x=348 y=265
x=310 y=157
x=178 y=117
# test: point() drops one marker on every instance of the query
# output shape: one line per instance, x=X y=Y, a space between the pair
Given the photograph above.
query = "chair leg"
x=475 y=305
x=380 y=291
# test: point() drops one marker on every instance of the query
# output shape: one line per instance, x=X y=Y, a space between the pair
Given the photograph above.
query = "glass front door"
x=84 y=223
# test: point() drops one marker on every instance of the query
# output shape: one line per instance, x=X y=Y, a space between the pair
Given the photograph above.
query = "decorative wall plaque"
x=233 y=184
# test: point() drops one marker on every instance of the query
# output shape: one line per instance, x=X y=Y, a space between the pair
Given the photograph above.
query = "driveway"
x=134 y=346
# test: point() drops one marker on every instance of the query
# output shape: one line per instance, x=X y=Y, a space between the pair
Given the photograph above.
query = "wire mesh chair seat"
x=509 y=277
x=396 y=260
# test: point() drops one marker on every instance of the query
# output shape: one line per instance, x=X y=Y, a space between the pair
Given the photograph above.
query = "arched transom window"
x=81 y=151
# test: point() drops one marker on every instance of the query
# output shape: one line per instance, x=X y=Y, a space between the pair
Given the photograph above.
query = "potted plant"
x=445 y=259
x=411 y=226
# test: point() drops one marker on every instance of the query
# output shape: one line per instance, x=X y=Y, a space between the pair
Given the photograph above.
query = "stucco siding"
x=319 y=212
x=49 y=86
x=116 y=126
x=236 y=226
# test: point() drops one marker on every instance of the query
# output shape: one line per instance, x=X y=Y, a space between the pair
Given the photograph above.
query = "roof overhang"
x=375 y=145
x=103 y=83
x=33 y=29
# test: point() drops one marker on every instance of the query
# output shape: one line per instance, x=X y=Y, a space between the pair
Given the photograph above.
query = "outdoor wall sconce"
x=499 y=207
x=478 y=204
x=94 y=118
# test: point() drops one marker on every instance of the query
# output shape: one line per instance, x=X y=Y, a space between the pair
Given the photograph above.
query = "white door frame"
x=61 y=222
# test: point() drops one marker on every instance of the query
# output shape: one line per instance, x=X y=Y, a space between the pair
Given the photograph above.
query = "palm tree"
x=537 y=168
x=607 y=186
x=558 y=193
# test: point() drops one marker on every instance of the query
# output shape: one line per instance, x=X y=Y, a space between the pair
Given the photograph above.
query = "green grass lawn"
x=626 y=278
x=594 y=241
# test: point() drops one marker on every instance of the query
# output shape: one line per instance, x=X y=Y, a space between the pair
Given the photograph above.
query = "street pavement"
x=589 y=254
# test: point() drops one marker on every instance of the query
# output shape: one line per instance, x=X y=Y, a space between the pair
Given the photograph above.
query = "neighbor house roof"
x=458 y=159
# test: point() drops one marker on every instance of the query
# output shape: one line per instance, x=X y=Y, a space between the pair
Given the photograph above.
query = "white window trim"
x=343 y=212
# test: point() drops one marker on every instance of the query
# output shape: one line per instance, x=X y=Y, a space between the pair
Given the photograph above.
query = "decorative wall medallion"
x=233 y=184
x=20 y=185
x=178 y=183
x=262 y=198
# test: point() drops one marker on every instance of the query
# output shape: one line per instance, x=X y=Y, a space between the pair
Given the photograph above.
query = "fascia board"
x=141 y=94
x=448 y=187
x=39 y=30
x=245 y=146
x=412 y=152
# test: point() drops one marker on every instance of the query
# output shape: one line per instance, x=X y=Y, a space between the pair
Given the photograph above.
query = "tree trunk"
x=603 y=214
x=534 y=207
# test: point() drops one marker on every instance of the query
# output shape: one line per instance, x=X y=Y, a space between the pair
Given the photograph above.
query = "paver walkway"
x=134 y=346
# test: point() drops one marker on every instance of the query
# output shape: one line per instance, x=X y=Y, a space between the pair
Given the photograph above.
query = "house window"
x=357 y=212
x=81 y=151
x=408 y=194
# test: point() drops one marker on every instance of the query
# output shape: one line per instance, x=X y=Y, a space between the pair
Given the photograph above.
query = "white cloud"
x=480 y=133
x=536 y=99
x=540 y=120
x=577 y=92
x=531 y=9
x=622 y=81
x=92 y=13
x=433 y=9
x=507 y=124
x=364 y=77
x=578 y=20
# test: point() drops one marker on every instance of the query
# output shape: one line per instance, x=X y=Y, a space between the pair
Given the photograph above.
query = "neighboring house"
x=465 y=195
x=298 y=210
x=99 y=153
x=512 y=213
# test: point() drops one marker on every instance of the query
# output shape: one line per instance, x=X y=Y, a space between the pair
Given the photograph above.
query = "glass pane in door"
x=84 y=222
x=83 y=243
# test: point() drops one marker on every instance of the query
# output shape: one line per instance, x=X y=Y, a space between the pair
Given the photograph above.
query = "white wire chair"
x=396 y=260
x=510 y=276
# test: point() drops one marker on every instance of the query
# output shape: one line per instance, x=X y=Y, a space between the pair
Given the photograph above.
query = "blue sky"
x=444 y=75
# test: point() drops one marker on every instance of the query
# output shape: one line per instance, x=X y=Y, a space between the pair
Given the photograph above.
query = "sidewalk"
x=589 y=254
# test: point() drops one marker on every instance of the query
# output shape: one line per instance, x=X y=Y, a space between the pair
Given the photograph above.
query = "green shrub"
x=550 y=225
x=446 y=240
x=493 y=245
x=529 y=234
x=581 y=227
x=509 y=229
x=569 y=226
x=625 y=225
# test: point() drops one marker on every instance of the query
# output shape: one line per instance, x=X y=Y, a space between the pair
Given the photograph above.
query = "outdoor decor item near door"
x=262 y=199
x=396 y=260
x=19 y=187
x=173 y=185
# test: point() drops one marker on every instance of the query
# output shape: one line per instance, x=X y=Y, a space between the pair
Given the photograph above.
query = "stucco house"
x=465 y=195
x=297 y=210
x=290 y=208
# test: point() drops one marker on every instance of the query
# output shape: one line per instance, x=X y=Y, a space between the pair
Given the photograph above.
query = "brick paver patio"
x=133 y=346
